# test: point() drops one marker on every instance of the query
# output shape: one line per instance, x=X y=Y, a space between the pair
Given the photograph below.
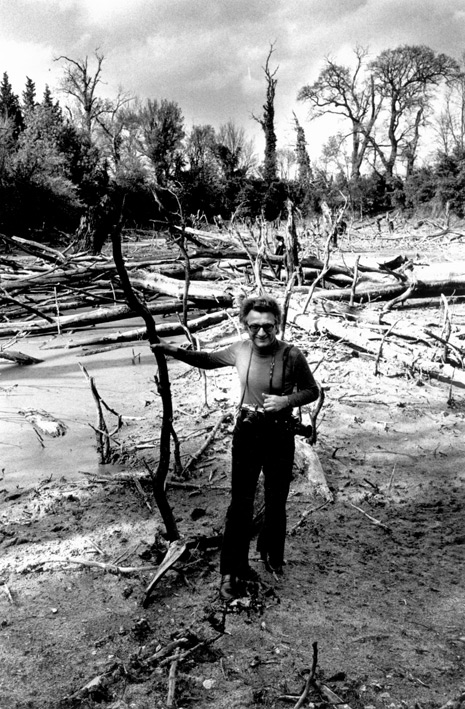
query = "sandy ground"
x=382 y=596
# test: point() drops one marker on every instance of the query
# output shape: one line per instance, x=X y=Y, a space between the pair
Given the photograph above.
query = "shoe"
x=272 y=568
x=227 y=591
x=247 y=574
x=278 y=569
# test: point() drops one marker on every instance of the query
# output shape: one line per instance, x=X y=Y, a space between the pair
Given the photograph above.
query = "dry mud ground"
x=384 y=603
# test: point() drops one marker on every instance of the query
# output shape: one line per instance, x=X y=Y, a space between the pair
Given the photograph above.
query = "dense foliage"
x=87 y=162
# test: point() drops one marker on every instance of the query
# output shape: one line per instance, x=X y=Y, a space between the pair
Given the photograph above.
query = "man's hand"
x=163 y=346
x=271 y=402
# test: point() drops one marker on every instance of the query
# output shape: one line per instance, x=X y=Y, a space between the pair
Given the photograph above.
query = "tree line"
x=73 y=167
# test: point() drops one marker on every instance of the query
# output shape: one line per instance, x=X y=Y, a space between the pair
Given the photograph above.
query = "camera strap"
x=285 y=359
x=287 y=349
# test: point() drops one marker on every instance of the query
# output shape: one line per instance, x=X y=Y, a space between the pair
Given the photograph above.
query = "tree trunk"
x=198 y=292
x=164 y=388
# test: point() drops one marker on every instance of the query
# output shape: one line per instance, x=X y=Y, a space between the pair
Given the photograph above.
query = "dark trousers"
x=260 y=442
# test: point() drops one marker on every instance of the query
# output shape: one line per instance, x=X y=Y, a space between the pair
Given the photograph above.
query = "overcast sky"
x=208 y=55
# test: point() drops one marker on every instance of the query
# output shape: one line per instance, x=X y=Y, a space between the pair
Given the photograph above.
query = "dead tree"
x=267 y=121
x=164 y=389
x=292 y=246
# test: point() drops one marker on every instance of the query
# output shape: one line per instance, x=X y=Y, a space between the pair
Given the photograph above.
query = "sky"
x=208 y=55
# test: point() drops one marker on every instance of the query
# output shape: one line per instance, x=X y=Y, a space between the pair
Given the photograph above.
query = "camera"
x=300 y=429
x=249 y=416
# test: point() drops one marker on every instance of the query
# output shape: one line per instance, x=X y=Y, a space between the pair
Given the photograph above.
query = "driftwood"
x=322 y=689
x=104 y=566
x=34 y=248
x=175 y=550
x=198 y=292
x=367 y=293
x=82 y=274
x=22 y=305
x=92 y=317
x=204 y=446
x=103 y=435
x=44 y=423
x=370 y=517
x=310 y=679
x=18 y=357
x=369 y=342
x=140 y=333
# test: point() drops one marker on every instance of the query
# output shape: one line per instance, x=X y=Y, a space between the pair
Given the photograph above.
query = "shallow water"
x=58 y=386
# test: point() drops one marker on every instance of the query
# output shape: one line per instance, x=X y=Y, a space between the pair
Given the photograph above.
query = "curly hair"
x=262 y=304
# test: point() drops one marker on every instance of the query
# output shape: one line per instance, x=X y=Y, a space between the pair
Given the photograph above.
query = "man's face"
x=261 y=328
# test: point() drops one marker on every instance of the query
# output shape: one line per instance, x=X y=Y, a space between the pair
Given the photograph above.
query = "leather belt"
x=256 y=409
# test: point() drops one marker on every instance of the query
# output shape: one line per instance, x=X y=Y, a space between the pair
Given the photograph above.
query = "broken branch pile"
x=47 y=291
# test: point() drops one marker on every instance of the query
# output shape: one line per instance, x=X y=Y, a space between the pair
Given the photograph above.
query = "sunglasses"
x=267 y=327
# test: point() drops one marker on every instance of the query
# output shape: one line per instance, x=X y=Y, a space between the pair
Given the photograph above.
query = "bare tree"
x=450 y=125
x=350 y=94
x=111 y=128
x=406 y=78
x=80 y=81
x=286 y=162
x=234 y=139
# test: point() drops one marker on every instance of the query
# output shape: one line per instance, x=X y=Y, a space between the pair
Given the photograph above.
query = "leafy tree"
x=29 y=96
x=7 y=147
x=9 y=105
x=449 y=173
x=158 y=128
x=334 y=157
x=421 y=189
x=274 y=200
x=202 y=184
x=42 y=172
x=53 y=107
x=304 y=168
x=200 y=149
x=405 y=78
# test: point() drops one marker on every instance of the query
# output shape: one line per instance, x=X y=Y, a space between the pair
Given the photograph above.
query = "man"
x=274 y=378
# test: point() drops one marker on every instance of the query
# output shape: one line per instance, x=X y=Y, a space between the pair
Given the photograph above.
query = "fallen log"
x=88 y=319
x=208 y=235
x=157 y=283
x=164 y=330
x=19 y=357
x=369 y=342
x=366 y=293
x=26 y=306
x=309 y=261
x=34 y=248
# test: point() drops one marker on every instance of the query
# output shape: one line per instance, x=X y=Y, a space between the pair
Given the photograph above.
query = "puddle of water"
x=58 y=386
